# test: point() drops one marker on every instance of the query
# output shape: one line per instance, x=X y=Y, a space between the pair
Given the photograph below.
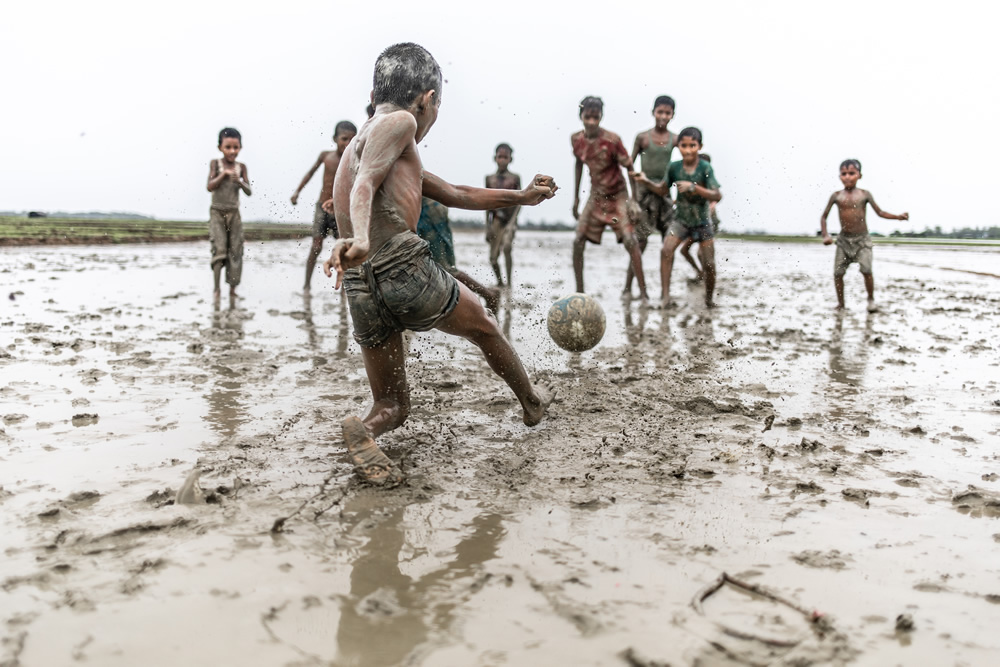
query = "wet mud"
x=174 y=489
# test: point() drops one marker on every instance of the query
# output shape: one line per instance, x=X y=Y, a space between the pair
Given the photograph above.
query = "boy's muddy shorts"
x=400 y=287
x=605 y=211
x=697 y=234
x=323 y=222
x=853 y=248
x=657 y=212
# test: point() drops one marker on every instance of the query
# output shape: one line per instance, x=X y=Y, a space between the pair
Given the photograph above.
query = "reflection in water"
x=388 y=614
x=697 y=334
x=225 y=410
x=848 y=364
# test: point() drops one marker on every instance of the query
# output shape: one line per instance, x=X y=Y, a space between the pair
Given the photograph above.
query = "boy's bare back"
x=382 y=158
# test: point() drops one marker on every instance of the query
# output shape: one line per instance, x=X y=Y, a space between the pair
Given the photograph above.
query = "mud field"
x=841 y=469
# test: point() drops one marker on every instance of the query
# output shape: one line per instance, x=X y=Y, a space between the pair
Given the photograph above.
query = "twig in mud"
x=279 y=524
x=816 y=620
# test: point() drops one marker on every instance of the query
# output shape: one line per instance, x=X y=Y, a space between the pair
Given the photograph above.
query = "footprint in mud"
x=977 y=502
x=833 y=559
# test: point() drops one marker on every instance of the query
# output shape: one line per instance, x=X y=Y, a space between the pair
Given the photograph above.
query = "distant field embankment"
x=69 y=231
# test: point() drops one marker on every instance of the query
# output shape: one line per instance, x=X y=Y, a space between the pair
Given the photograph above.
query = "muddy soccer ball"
x=576 y=322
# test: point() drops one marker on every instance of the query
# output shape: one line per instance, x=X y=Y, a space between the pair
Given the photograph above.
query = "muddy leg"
x=870 y=288
x=632 y=247
x=489 y=294
x=578 y=246
x=629 y=272
x=386 y=369
x=670 y=244
x=838 y=285
x=686 y=252
x=509 y=262
x=314 y=251
x=706 y=252
x=470 y=321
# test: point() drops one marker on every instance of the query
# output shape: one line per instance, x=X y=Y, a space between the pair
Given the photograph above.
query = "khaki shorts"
x=697 y=234
x=853 y=248
x=323 y=222
x=605 y=211
x=657 y=212
x=400 y=287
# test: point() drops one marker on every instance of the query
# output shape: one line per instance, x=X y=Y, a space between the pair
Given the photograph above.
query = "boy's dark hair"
x=851 y=163
x=370 y=110
x=692 y=132
x=404 y=71
x=345 y=126
x=704 y=156
x=590 y=102
x=664 y=100
x=507 y=146
x=230 y=133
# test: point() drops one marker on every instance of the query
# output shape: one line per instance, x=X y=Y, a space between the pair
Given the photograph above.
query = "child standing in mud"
x=392 y=283
x=714 y=216
x=853 y=243
x=696 y=187
x=502 y=222
x=655 y=145
x=609 y=204
x=433 y=227
x=226 y=177
x=323 y=220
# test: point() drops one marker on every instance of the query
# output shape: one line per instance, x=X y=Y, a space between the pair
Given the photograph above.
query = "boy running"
x=696 y=187
x=655 y=145
x=226 y=177
x=502 y=222
x=392 y=283
x=853 y=242
x=714 y=216
x=608 y=206
x=323 y=220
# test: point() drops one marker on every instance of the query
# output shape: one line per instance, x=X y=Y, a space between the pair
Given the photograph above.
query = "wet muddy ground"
x=843 y=470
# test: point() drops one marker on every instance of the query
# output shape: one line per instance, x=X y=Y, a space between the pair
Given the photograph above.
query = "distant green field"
x=55 y=231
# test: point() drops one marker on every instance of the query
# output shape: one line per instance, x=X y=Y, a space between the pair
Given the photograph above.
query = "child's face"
x=689 y=149
x=849 y=176
x=591 y=120
x=503 y=158
x=342 y=139
x=663 y=114
x=230 y=148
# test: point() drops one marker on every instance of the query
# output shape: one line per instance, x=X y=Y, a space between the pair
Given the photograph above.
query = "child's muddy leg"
x=838 y=285
x=471 y=321
x=706 y=253
x=386 y=368
x=630 y=272
x=578 y=246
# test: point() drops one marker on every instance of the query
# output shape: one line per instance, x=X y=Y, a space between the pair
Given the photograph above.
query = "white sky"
x=117 y=105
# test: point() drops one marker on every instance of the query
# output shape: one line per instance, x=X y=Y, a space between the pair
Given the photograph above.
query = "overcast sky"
x=117 y=106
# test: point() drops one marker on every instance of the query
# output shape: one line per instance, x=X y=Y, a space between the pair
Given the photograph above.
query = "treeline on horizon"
x=963 y=233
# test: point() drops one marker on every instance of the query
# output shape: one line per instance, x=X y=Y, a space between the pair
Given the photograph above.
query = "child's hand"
x=295 y=199
x=639 y=177
x=904 y=216
x=634 y=210
x=542 y=187
x=685 y=186
x=346 y=254
x=827 y=239
x=328 y=206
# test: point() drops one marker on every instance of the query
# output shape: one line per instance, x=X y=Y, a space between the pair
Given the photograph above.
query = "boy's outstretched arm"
x=577 y=175
x=883 y=214
x=658 y=187
x=479 y=199
x=307 y=178
x=827 y=239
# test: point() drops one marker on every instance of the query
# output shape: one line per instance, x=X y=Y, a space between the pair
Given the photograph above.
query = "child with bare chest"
x=853 y=243
x=391 y=281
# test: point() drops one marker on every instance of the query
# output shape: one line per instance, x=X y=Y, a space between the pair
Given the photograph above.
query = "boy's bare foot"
x=872 y=306
x=233 y=295
x=644 y=300
x=709 y=303
x=305 y=290
x=626 y=296
x=667 y=304
x=370 y=463
x=839 y=306
x=493 y=299
x=535 y=410
x=217 y=294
